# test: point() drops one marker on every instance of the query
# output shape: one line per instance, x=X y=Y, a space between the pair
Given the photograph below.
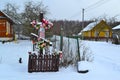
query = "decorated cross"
x=44 y=46
x=41 y=26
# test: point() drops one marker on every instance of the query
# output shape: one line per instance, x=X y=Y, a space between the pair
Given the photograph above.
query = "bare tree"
x=12 y=11
x=31 y=12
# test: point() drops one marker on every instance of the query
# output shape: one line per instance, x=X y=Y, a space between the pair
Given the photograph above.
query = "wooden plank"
x=49 y=65
x=40 y=63
x=29 y=64
x=47 y=61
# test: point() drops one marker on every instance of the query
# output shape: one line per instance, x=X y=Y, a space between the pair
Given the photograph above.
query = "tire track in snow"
x=106 y=61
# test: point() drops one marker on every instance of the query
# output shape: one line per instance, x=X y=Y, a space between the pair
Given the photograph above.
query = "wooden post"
x=61 y=39
x=79 y=58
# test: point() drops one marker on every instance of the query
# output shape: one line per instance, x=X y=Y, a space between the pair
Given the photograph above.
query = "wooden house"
x=116 y=34
x=97 y=30
x=6 y=28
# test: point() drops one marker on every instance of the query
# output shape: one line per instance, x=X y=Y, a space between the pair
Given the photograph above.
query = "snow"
x=7 y=15
x=89 y=27
x=116 y=27
x=83 y=65
x=106 y=64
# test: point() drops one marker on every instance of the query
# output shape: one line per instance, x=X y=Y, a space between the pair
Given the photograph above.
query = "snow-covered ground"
x=106 y=64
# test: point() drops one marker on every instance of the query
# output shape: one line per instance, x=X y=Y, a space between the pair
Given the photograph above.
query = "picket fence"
x=43 y=63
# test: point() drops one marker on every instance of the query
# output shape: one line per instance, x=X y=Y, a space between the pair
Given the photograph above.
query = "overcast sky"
x=72 y=9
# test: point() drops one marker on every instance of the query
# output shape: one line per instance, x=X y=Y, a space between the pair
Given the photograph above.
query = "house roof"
x=90 y=26
x=116 y=27
x=6 y=16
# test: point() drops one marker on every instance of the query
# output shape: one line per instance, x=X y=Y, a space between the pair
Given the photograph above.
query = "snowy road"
x=106 y=60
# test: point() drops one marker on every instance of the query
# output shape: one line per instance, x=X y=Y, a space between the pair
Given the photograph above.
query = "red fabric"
x=45 y=22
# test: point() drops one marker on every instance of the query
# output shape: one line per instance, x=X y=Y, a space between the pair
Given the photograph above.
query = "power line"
x=97 y=4
x=93 y=6
x=117 y=15
x=78 y=13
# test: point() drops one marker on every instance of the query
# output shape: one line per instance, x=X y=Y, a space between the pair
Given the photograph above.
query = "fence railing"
x=43 y=63
x=98 y=38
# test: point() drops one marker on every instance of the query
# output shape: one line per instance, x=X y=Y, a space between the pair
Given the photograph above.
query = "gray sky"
x=72 y=9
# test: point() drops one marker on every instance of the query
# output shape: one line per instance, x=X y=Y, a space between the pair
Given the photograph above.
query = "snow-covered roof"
x=116 y=27
x=91 y=26
x=88 y=27
x=7 y=16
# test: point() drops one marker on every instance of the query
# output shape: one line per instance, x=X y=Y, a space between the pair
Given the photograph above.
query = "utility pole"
x=82 y=35
x=82 y=20
x=83 y=17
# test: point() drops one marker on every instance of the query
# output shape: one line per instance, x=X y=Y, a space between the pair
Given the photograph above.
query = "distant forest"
x=71 y=28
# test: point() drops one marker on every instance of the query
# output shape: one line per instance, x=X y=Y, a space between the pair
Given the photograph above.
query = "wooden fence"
x=98 y=38
x=43 y=63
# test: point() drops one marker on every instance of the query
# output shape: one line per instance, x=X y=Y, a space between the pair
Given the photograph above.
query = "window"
x=96 y=33
x=107 y=34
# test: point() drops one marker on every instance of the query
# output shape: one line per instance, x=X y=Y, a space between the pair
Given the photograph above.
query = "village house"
x=116 y=34
x=99 y=30
x=6 y=27
x=116 y=29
